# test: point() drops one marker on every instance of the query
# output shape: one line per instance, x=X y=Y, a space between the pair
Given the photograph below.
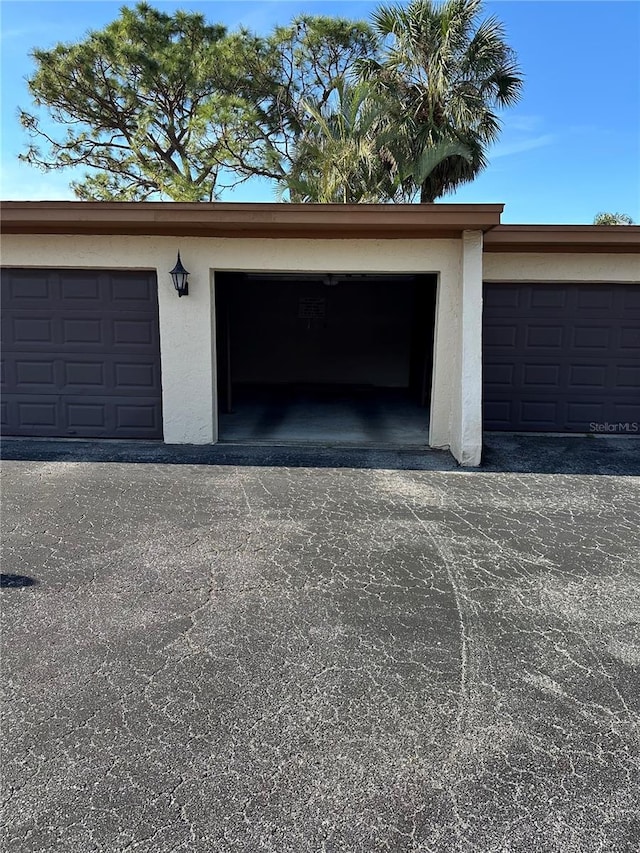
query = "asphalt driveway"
x=229 y=658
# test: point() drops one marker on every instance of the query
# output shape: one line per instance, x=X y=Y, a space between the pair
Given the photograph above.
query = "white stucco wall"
x=556 y=266
x=187 y=327
x=466 y=422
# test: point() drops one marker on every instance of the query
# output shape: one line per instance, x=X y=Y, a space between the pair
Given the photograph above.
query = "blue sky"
x=569 y=149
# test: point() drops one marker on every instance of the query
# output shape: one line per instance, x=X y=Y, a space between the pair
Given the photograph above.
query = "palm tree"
x=445 y=73
x=336 y=158
x=351 y=151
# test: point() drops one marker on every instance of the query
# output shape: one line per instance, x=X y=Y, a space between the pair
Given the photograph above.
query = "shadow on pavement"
x=13 y=581
x=503 y=453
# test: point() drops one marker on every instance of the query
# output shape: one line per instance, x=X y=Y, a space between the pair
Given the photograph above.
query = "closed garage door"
x=561 y=357
x=80 y=354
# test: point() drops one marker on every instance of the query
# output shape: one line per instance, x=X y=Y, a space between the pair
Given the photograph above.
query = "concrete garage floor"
x=374 y=417
x=260 y=657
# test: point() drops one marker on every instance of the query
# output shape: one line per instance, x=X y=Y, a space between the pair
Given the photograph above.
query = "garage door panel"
x=522 y=413
x=34 y=374
x=81 y=414
x=29 y=331
x=630 y=339
x=90 y=417
x=547 y=297
x=621 y=411
x=539 y=335
x=534 y=413
x=84 y=330
x=499 y=375
x=628 y=376
x=500 y=337
x=613 y=411
x=25 y=329
x=126 y=418
x=499 y=412
x=579 y=365
x=541 y=374
x=36 y=412
x=83 y=374
x=74 y=290
x=630 y=299
x=133 y=294
x=595 y=299
x=136 y=377
x=34 y=289
x=588 y=376
x=135 y=416
x=137 y=332
x=82 y=354
x=503 y=301
x=538 y=414
x=627 y=411
x=80 y=291
x=590 y=337
x=585 y=412
x=83 y=333
x=88 y=374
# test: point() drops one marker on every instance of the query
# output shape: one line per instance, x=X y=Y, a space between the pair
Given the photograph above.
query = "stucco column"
x=186 y=346
x=446 y=353
x=466 y=425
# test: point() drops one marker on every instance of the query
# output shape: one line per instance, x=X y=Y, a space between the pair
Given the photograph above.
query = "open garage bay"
x=325 y=358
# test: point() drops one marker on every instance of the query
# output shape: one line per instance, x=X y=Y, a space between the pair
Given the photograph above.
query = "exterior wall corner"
x=466 y=423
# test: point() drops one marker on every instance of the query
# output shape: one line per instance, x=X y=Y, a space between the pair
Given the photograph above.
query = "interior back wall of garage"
x=361 y=334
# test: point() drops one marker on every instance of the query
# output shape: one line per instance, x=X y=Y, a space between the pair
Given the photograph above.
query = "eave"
x=222 y=219
x=563 y=238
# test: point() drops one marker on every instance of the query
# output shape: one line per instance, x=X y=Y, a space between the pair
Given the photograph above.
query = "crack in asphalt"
x=297 y=660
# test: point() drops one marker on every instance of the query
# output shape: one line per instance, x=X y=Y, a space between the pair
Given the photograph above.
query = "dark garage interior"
x=325 y=358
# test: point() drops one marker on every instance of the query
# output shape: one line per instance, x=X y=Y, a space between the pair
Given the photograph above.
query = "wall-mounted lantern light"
x=180 y=278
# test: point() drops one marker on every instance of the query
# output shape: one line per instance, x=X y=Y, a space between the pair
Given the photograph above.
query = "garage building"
x=366 y=325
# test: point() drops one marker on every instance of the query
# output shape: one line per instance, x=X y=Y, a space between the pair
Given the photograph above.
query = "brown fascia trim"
x=564 y=238
x=225 y=219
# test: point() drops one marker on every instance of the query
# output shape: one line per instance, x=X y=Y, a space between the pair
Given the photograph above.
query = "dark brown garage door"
x=80 y=353
x=561 y=357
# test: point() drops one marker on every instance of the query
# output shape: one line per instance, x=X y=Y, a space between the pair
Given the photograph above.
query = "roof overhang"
x=335 y=221
x=563 y=238
x=222 y=219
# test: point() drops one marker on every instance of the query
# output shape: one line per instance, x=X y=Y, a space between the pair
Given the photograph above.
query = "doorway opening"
x=337 y=359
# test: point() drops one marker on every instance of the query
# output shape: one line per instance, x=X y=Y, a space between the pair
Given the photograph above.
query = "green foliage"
x=612 y=219
x=447 y=73
x=419 y=121
x=336 y=159
x=158 y=105
x=301 y=64
x=350 y=151
x=145 y=103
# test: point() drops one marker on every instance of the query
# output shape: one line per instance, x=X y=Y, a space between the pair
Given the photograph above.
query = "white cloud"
x=516 y=147
x=524 y=123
